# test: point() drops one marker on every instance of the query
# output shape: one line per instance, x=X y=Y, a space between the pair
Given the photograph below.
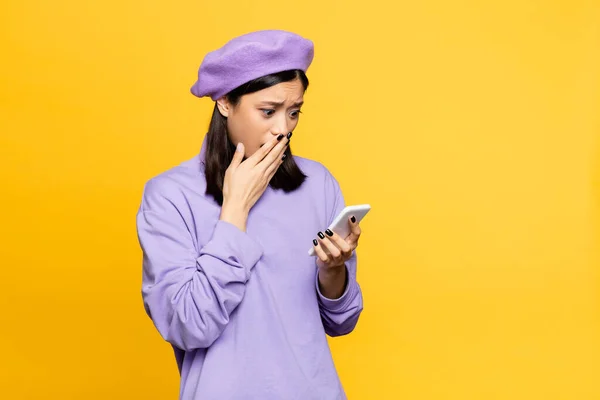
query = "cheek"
x=258 y=122
x=249 y=128
x=233 y=131
x=240 y=127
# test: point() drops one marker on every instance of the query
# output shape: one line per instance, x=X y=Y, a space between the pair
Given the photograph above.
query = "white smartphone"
x=340 y=224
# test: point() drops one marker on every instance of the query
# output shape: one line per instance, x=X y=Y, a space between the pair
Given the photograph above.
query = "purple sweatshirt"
x=243 y=310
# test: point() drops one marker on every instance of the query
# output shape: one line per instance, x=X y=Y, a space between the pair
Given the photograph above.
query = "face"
x=261 y=115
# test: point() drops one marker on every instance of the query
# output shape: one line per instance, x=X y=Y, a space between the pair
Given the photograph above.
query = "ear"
x=224 y=106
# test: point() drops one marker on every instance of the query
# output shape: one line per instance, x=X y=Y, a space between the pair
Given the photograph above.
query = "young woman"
x=227 y=280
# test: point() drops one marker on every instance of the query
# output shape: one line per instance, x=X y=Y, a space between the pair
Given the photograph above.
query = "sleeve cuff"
x=341 y=302
x=230 y=241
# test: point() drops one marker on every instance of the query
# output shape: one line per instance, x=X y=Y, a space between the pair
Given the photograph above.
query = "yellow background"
x=471 y=127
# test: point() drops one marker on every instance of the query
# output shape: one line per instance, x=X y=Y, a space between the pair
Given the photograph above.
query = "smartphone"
x=341 y=225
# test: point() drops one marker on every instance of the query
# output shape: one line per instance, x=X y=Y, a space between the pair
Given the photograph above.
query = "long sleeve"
x=190 y=293
x=340 y=315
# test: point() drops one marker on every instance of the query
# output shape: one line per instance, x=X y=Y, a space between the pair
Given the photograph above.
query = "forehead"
x=292 y=92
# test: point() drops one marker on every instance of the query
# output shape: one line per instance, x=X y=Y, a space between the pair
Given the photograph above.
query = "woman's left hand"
x=332 y=250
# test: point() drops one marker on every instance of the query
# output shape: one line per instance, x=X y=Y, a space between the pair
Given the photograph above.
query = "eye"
x=267 y=112
x=295 y=114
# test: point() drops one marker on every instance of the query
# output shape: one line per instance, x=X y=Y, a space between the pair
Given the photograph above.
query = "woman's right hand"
x=246 y=181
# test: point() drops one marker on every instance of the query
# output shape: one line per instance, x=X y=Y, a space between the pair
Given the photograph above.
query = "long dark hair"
x=220 y=149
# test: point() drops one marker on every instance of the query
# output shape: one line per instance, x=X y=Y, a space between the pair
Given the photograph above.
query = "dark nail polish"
x=284 y=156
x=289 y=135
x=321 y=235
x=315 y=242
x=280 y=136
x=329 y=233
x=353 y=219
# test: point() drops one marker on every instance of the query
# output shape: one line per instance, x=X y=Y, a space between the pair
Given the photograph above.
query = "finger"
x=238 y=156
x=276 y=154
x=332 y=249
x=345 y=247
x=355 y=231
x=274 y=166
x=262 y=152
x=320 y=252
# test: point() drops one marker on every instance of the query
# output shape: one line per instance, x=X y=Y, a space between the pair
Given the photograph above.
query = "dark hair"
x=220 y=149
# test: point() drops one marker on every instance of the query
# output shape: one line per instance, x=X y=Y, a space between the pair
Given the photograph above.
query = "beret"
x=251 y=56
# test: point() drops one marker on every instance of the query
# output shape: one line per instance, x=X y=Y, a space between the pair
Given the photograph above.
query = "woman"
x=226 y=276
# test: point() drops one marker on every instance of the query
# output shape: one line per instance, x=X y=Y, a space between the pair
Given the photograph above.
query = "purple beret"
x=251 y=56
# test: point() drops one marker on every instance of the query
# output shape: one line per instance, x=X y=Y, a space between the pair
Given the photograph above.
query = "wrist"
x=332 y=271
x=332 y=281
x=234 y=214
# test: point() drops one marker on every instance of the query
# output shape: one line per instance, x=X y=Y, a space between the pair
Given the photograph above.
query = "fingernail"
x=321 y=235
x=289 y=135
x=329 y=232
x=315 y=242
x=284 y=156
x=353 y=219
x=280 y=136
x=240 y=147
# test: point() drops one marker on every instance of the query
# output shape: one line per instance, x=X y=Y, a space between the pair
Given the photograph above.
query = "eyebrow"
x=279 y=104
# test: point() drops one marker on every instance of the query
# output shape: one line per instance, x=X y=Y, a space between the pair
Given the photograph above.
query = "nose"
x=280 y=126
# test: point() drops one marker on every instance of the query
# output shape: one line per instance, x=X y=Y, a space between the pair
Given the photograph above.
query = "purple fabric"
x=251 y=56
x=242 y=310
